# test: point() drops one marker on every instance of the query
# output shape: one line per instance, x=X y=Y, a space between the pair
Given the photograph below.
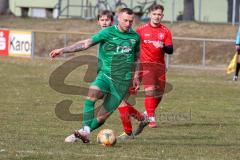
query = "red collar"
x=153 y=26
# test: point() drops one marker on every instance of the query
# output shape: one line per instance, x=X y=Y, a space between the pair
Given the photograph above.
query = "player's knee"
x=101 y=118
x=156 y=92
x=123 y=104
x=149 y=91
x=94 y=93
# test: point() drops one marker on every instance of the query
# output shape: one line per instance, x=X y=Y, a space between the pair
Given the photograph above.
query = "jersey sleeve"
x=137 y=47
x=168 y=39
x=99 y=36
x=138 y=31
x=238 y=37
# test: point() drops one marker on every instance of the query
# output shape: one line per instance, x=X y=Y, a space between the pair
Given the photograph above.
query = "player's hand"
x=132 y=90
x=136 y=83
x=237 y=48
x=56 y=52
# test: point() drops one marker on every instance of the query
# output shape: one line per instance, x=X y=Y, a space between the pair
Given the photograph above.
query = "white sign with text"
x=20 y=43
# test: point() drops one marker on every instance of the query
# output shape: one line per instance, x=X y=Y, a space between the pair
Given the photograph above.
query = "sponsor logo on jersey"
x=161 y=36
x=133 y=41
x=123 y=49
x=157 y=44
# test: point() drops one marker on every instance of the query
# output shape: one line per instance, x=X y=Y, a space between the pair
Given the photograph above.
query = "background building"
x=204 y=10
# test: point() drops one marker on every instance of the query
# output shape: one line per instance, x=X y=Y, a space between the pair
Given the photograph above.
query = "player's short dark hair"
x=156 y=7
x=107 y=13
x=126 y=10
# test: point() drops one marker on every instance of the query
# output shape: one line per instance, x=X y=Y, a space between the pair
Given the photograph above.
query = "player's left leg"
x=153 y=96
x=154 y=86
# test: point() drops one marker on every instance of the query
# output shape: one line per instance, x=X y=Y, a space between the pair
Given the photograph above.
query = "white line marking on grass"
x=82 y=154
x=26 y=152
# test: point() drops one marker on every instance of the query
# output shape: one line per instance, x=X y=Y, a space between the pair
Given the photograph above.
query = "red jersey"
x=151 y=40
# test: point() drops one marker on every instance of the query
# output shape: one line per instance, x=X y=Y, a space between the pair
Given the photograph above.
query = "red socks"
x=135 y=113
x=126 y=120
x=151 y=104
x=125 y=114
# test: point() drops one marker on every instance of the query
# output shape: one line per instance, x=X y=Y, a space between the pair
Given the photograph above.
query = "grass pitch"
x=198 y=119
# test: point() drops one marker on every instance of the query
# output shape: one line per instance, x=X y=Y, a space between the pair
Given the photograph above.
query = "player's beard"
x=123 y=28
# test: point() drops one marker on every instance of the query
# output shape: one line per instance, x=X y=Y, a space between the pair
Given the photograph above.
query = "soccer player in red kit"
x=155 y=41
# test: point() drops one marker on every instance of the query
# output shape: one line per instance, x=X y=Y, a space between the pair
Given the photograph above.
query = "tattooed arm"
x=78 y=46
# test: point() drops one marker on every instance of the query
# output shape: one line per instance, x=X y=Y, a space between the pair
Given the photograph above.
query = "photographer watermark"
x=174 y=117
x=58 y=76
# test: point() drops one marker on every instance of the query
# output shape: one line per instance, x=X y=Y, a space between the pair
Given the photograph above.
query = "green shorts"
x=115 y=90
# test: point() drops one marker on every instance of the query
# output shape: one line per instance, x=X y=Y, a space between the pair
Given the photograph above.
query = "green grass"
x=30 y=129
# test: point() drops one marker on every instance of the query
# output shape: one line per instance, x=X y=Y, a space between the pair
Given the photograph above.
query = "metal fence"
x=206 y=51
x=200 y=52
x=204 y=10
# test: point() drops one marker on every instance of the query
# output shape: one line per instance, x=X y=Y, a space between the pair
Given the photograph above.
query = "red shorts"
x=153 y=75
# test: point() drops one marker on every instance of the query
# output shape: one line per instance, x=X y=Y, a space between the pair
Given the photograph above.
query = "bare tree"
x=4 y=6
x=230 y=10
x=188 y=11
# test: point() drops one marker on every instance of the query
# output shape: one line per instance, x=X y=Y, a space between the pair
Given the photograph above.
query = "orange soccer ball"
x=106 y=137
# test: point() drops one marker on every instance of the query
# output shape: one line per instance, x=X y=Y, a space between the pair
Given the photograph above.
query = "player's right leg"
x=235 y=77
x=124 y=112
x=127 y=111
x=88 y=115
x=96 y=91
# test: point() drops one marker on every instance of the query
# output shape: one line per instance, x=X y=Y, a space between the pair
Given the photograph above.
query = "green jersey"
x=117 y=52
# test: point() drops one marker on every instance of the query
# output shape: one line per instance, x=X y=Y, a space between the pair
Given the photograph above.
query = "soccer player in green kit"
x=118 y=50
x=126 y=110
